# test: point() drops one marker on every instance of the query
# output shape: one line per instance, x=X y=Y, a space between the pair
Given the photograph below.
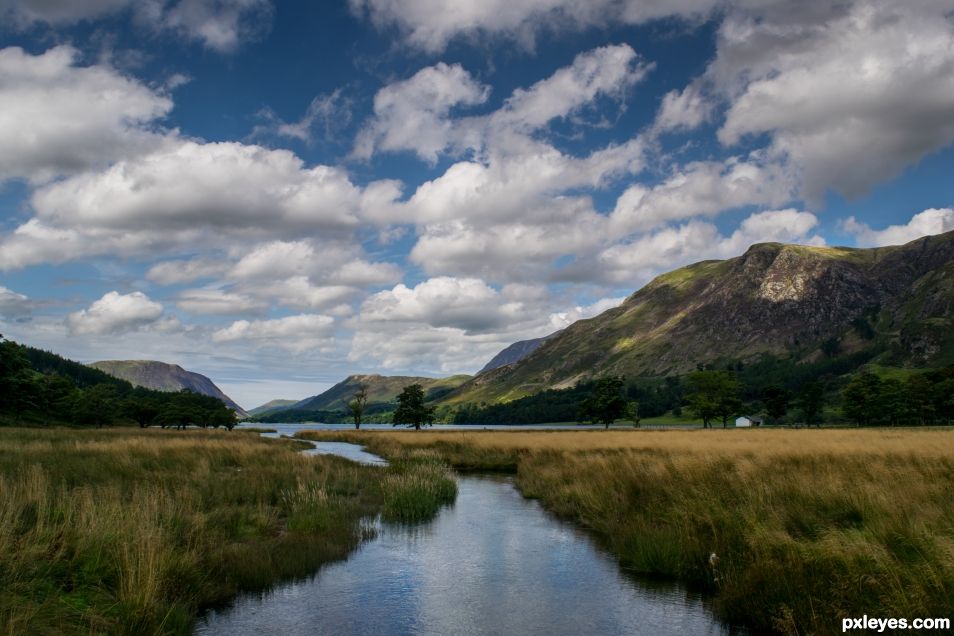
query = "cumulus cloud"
x=563 y=319
x=431 y=24
x=413 y=114
x=218 y=302
x=304 y=332
x=187 y=193
x=186 y=271
x=635 y=262
x=849 y=93
x=57 y=117
x=926 y=223
x=417 y=114
x=701 y=189
x=115 y=313
x=682 y=110
x=467 y=304
x=221 y=25
x=14 y=306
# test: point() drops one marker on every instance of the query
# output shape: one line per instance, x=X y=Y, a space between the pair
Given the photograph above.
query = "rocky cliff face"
x=775 y=298
x=165 y=377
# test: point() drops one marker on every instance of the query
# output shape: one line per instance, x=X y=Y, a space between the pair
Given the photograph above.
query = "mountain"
x=272 y=405
x=381 y=389
x=786 y=300
x=515 y=352
x=161 y=376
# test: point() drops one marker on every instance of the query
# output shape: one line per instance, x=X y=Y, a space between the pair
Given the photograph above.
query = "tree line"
x=39 y=387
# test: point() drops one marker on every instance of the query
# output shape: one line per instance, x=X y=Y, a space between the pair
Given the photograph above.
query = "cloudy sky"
x=278 y=194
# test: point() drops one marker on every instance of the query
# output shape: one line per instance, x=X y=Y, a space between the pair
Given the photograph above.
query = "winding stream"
x=494 y=563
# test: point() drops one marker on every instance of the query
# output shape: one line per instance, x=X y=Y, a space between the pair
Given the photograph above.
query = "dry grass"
x=130 y=531
x=809 y=526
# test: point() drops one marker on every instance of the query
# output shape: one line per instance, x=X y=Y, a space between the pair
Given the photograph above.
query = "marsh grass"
x=418 y=484
x=130 y=531
x=808 y=527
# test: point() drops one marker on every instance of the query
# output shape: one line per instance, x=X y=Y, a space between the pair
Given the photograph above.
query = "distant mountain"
x=381 y=389
x=273 y=405
x=786 y=300
x=515 y=352
x=161 y=376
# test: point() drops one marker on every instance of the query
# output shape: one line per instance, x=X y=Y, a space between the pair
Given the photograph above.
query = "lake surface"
x=493 y=563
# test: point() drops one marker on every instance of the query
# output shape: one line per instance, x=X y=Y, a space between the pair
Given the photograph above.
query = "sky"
x=279 y=194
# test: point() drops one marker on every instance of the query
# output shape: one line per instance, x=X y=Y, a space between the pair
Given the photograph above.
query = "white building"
x=746 y=421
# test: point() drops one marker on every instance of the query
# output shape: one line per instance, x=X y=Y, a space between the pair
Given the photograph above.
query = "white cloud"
x=188 y=195
x=304 y=332
x=221 y=25
x=467 y=304
x=701 y=189
x=216 y=301
x=185 y=271
x=116 y=313
x=926 y=223
x=413 y=114
x=639 y=260
x=682 y=110
x=850 y=94
x=607 y=70
x=430 y=24
x=14 y=305
x=563 y=319
x=57 y=117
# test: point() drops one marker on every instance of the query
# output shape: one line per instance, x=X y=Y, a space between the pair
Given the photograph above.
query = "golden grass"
x=809 y=526
x=132 y=531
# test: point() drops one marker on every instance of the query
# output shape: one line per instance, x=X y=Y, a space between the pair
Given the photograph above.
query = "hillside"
x=787 y=300
x=272 y=405
x=381 y=389
x=515 y=352
x=161 y=376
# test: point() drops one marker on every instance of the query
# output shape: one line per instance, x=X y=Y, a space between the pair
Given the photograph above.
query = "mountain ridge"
x=163 y=376
x=776 y=298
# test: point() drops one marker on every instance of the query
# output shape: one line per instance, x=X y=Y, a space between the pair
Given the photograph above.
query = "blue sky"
x=279 y=194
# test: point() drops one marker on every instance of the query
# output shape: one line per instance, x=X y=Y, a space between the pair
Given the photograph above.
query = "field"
x=132 y=531
x=807 y=526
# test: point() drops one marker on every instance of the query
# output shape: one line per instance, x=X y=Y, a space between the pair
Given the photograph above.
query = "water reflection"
x=494 y=563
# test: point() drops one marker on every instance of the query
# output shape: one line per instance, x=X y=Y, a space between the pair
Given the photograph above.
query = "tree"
x=96 y=404
x=776 y=401
x=411 y=410
x=357 y=404
x=861 y=399
x=713 y=393
x=632 y=413
x=605 y=403
x=812 y=399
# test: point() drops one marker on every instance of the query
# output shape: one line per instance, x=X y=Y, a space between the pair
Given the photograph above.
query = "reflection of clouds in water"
x=493 y=563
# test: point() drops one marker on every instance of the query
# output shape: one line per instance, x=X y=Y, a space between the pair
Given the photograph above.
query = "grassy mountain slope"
x=161 y=376
x=381 y=389
x=775 y=298
x=272 y=405
x=515 y=353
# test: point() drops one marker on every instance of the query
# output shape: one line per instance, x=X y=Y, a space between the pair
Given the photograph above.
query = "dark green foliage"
x=714 y=394
x=42 y=388
x=776 y=401
x=811 y=399
x=924 y=398
x=605 y=403
x=411 y=410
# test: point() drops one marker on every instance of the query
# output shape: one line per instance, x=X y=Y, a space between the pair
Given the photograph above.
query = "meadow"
x=807 y=526
x=131 y=531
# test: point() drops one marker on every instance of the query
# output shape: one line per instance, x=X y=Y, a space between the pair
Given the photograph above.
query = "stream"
x=493 y=563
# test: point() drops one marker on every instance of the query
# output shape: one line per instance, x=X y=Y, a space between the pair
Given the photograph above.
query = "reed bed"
x=806 y=526
x=419 y=483
x=135 y=531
